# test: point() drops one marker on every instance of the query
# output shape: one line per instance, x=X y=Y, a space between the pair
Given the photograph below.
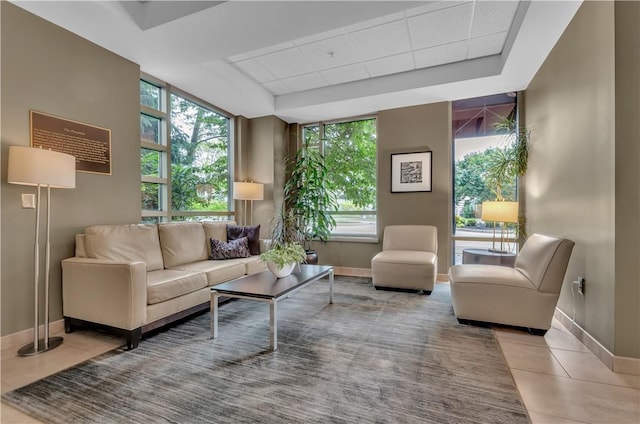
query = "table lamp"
x=499 y=211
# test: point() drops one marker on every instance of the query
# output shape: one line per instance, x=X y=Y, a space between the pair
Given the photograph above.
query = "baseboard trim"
x=615 y=363
x=26 y=336
x=352 y=272
x=366 y=272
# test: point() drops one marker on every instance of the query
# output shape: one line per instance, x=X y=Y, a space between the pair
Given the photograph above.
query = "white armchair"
x=408 y=259
x=523 y=296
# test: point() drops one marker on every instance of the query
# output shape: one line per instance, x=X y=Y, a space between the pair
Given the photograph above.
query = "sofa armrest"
x=107 y=292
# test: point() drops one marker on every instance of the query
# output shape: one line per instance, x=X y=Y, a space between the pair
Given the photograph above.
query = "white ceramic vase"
x=280 y=272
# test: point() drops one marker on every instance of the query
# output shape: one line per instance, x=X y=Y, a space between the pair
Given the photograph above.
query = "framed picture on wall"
x=410 y=172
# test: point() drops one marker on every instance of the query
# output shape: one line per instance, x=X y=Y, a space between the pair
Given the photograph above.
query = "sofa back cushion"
x=215 y=230
x=132 y=243
x=411 y=237
x=182 y=243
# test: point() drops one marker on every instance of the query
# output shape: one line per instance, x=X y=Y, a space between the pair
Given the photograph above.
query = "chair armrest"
x=107 y=292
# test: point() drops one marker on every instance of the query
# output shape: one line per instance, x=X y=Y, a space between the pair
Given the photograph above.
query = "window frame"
x=301 y=143
x=165 y=212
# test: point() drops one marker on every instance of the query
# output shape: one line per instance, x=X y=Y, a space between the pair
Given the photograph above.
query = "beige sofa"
x=132 y=279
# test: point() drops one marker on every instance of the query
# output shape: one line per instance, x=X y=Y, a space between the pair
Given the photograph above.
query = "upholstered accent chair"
x=523 y=296
x=408 y=259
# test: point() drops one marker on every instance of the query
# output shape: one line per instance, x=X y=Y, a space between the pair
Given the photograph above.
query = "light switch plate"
x=28 y=201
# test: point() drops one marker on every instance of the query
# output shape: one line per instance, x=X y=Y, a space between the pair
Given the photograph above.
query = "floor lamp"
x=499 y=212
x=248 y=190
x=41 y=168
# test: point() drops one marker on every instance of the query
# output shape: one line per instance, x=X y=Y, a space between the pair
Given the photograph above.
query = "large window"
x=349 y=149
x=185 y=157
x=478 y=129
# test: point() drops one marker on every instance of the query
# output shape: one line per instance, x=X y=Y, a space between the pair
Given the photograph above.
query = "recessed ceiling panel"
x=305 y=82
x=441 y=27
x=277 y=87
x=330 y=53
x=256 y=71
x=380 y=41
x=286 y=63
x=492 y=16
x=390 y=65
x=345 y=74
x=440 y=55
x=486 y=46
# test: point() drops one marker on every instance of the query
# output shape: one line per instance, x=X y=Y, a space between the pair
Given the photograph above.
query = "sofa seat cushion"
x=216 y=271
x=167 y=284
x=489 y=275
x=133 y=243
x=405 y=257
x=254 y=265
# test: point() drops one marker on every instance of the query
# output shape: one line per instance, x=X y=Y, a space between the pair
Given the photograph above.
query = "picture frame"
x=411 y=172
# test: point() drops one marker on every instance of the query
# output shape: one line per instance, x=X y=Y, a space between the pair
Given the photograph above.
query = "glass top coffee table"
x=264 y=287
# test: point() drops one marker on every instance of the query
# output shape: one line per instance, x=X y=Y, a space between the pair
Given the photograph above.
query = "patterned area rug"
x=372 y=356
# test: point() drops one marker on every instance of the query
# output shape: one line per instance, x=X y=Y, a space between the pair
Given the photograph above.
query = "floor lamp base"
x=28 y=350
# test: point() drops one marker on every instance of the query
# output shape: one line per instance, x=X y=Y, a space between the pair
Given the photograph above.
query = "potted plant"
x=509 y=162
x=285 y=250
x=307 y=198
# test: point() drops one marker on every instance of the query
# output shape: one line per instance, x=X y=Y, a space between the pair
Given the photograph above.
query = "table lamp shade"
x=248 y=191
x=33 y=166
x=500 y=211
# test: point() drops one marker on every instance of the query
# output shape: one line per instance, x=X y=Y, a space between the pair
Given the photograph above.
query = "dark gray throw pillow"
x=252 y=233
x=238 y=248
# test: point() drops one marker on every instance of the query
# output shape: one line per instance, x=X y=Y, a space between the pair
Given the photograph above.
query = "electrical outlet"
x=581 y=285
x=28 y=201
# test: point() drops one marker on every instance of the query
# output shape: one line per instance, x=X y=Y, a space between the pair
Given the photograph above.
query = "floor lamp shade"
x=38 y=167
x=248 y=191
x=33 y=166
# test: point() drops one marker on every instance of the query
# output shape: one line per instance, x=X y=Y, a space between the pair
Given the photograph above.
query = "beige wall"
x=580 y=144
x=627 y=265
x=51 y=70
x=267 y=147
x=404 y=130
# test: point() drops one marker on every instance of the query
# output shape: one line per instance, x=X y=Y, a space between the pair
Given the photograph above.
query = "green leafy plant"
x=306 y=195
x=284 y=254
x=509 y=162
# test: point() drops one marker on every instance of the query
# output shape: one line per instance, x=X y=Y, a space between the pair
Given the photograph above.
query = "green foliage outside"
x=199 y=155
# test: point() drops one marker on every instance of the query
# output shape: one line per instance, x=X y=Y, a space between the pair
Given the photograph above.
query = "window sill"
x=353 y=239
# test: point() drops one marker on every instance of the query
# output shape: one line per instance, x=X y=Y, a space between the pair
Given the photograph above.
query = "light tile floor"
x=559 y=379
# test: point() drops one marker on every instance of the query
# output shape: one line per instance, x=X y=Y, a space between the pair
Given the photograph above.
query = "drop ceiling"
x=308 y=61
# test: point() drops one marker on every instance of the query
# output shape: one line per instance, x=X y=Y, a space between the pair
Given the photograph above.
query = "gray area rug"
x=372 y=356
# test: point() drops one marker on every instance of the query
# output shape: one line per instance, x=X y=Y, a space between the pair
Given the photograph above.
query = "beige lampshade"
x=33 y=166
x=248 y=191
x=500 y=211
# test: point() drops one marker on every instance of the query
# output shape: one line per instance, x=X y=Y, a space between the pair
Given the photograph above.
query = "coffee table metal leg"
x=273 y=323
x=214 y=314
x=331 y=286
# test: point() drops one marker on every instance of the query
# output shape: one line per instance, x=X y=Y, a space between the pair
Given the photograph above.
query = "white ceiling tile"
x=330 y=53
x=440 y=55
x=492 y=16
x=433 y=6
x=256 y=71
x=440 y=27
x=277 y=87
x=380 y=41
x=487 y=46
x=305 y=82
x=345 y=74
x=286 y=63
x=390 y=65
x=375 y=22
